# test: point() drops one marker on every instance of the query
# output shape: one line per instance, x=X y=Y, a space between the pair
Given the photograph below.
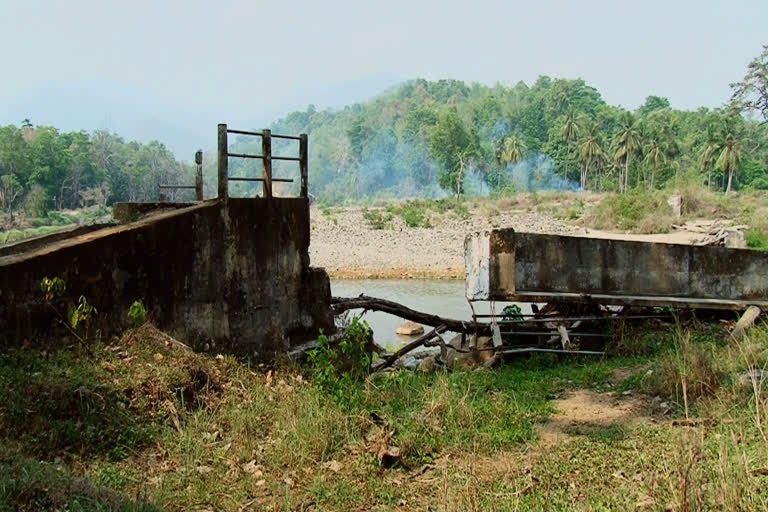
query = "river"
x=439 y=297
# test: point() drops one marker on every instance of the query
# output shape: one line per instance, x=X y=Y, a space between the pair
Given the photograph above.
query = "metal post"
x=303 y=162
x=199 y=177
x=266 y=151
x=223 y=163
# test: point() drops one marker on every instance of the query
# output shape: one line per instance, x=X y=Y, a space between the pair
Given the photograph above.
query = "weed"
x=137 y=313
x=376 y=219
x=337 y=367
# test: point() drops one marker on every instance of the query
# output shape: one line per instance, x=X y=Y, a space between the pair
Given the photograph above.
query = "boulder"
x=676 y=202
x=410 y=329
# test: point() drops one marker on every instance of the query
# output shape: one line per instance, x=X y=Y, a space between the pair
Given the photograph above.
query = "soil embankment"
x=348 y=248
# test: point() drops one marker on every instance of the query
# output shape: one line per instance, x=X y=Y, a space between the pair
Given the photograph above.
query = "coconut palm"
x=729 y=160
x=570 y=134
x=709 y=159
x=590 y=152
x=655 y=157
x=627 y=142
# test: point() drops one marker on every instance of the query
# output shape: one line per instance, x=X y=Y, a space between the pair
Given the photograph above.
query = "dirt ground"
x=348 y=248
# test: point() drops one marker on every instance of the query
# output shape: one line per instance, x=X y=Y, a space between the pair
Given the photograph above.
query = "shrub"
x=338 y=367
x=757 y=239
x=138 y=313
x=376 y=219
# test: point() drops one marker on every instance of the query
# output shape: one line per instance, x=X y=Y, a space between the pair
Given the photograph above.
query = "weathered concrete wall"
x=233 y=277
x=553 y=267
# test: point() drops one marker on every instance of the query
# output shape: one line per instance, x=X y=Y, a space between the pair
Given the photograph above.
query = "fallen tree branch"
x=342 y=304
x=421 y=340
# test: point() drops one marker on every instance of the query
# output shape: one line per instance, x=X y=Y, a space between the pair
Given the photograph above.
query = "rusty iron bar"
x=523 y=350
x=199 y=175
x=555 y=333
x=304 y=163
x=281 y=180
x=573 y=319
x=266 y=150
x=243 y=155
x=289 y=137
x=223 y=162
x=244 y=132
x=288 y=158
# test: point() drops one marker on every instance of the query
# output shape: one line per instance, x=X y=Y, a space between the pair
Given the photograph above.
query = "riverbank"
x=348 y=247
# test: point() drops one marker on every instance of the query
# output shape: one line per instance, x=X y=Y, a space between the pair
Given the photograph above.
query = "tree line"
x=429 y=138
x=43 y=169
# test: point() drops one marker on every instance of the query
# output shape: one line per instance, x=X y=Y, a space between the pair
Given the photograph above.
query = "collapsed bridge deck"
x=502 y=265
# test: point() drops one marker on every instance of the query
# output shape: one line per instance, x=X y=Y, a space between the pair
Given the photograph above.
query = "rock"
x=427 y=365
x=676 y=202
x=410 y=329
x=735 y=239
x=410 y=363
x=472 y=358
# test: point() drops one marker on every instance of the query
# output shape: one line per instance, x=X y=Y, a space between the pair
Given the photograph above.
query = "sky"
x=171 y=70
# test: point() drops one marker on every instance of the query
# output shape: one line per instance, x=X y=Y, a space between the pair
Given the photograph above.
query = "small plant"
x=137 y=313
x=376 y=219
x=511 y=312
x=337 y=367
x=82 y=314
x=77 y=316
x=52 y=288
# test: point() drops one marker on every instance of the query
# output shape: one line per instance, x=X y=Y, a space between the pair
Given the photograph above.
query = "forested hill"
x=43 y=169
x=424 y=138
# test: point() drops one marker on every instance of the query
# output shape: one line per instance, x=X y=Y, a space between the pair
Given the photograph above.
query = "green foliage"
x=137 y=313
x=52 y=288
x=338 y=367
x=415 y=214
x=757 y=239
x=511 y=312
x=46 y=170
x=377 y=219
x=82 y=314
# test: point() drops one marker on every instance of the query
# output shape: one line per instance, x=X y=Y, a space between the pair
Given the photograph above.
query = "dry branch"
x=421 y=340
x=341 y=304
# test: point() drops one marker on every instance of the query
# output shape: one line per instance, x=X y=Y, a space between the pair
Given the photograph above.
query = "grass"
x=141 y=423
x=28 y=227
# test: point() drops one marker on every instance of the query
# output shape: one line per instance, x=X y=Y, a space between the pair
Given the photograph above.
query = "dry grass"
x=146 y=424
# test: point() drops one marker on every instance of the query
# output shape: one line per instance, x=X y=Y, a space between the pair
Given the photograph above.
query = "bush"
x=376 y=219
x=415 y=214
x=338 y=367
x=757 y=239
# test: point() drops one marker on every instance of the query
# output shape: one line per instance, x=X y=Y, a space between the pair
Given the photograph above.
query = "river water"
x=439 y=297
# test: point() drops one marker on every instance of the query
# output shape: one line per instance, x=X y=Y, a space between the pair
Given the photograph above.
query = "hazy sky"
x=107 y=63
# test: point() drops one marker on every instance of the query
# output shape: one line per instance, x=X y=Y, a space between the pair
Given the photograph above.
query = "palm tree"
x=513 y=150
x=509 y=151
x=590 y=152
x=656 y=157
x=627 y=142
x=709 y=158
x=730 y=159
x=569 y=133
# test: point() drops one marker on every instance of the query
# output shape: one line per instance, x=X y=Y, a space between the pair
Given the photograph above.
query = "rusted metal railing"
x=266 y=157
x=198 y=186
